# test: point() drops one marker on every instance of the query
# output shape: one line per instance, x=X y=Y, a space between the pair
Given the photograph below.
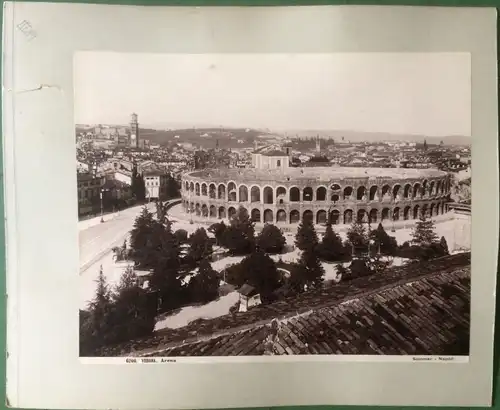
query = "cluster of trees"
x=129 y=311
x=425 y=244
x=239 y=236
x=172 y=257
x=257 y=268
x=116 y=315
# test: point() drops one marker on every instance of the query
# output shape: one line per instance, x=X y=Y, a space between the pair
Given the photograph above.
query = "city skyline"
x=207 y=89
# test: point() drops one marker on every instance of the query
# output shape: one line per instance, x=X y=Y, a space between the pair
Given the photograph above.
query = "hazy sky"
x=403 y=93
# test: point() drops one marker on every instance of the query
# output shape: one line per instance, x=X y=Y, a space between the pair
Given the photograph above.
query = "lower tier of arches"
x=321 y=216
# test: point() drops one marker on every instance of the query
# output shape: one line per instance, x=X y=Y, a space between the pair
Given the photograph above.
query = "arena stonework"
x=276 y=196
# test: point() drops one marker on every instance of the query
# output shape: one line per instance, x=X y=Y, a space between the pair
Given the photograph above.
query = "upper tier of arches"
x=332 y=193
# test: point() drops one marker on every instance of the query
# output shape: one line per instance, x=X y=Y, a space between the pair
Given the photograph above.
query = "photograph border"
x=43 y=94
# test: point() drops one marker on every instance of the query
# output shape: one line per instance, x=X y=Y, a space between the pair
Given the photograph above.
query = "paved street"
x=98 y=239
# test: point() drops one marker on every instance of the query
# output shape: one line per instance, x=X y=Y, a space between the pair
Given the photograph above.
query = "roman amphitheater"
x=284 y=195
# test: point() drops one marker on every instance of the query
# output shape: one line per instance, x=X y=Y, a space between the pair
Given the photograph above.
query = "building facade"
x=89 y=191
x=343 y=194
x=156 y=184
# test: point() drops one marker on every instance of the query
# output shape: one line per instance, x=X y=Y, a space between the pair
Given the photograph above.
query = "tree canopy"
x=271 y=239
x=306 y=237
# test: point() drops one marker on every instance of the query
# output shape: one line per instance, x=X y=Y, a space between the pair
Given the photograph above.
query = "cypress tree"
x=306 y=237
x=424 y=232
x=331 y=247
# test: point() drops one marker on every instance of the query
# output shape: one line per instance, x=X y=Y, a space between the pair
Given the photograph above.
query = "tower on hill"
x=134 y=131
x=318 y=145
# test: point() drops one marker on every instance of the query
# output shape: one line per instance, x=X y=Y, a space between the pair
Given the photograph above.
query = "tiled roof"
x=418 y=309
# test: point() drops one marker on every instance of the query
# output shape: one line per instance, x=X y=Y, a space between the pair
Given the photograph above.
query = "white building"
x=155 y=182
x=265 y=158
x=248 y=297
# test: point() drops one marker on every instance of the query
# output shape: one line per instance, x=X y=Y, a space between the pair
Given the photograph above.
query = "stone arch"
x=212 y=191
x=335 y=187
x=385 y=214
x=406 y=213
x=347 y=192
x=373 y=193
x=362 y=216
x=243 y=193
x=191 y=187
x=268 y=195
x=222 y=212
x=373 y=216
x=268 y=216
x=191 y=207
x=321 y=216
x=281 y=216
x=197 y=209
x=204 y=210
x=294 y=194
x=432 y=210
x=280 y=195
x=186 y=186
x=361 y=193
x=307 y=194
x=417 y=189
x=396 y=190
x=431 y=188
x=231 y=211
x=425 y=210
x=335 y=217
x=204 y=189
x=347 y=216
x=425 y=185
x=335 y=198
x=255 y=194
x=416 y=212
x=321 y=193
x=213 y=211
x=438 y=188
x=308 y=215
x=294 y=216
x=255 y=215
x=221 y=191
x=231 y=192
x=396 y=214
x=197 y=189
x=386 y=191
x=407 y=191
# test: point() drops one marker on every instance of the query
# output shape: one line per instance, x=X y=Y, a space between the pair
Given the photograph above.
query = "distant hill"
x=356 y=136
x=228 y=137
x=206 y=137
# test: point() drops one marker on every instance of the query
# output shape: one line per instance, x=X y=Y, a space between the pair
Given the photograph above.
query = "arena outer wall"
x=285 y=197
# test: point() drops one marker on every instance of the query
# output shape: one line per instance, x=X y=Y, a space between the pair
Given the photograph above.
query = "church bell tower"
x=134 y=131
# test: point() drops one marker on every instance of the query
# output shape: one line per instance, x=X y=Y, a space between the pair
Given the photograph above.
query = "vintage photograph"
x=273 y=204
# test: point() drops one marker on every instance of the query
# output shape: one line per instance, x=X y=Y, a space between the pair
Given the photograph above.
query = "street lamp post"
x=102 y=205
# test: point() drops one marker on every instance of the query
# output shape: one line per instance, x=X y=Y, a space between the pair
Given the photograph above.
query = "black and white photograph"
x=274 y=204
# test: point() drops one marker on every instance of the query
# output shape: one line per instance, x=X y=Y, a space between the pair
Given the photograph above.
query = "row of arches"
x=279 y=195
x=373 y=215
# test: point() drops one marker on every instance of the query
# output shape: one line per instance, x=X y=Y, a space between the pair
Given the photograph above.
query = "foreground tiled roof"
x=420 y=309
